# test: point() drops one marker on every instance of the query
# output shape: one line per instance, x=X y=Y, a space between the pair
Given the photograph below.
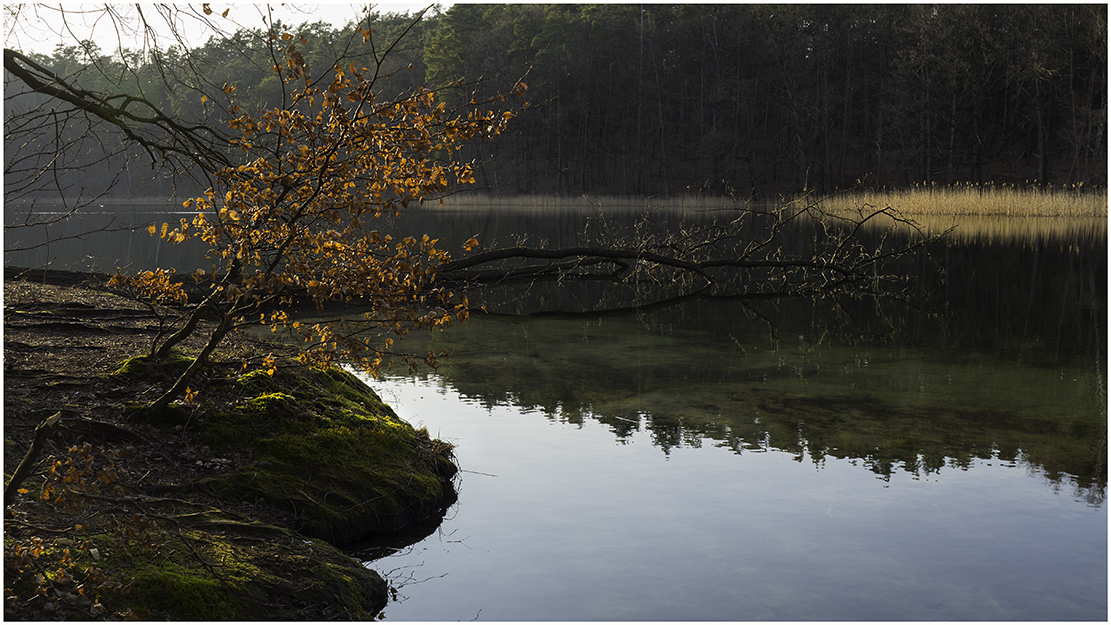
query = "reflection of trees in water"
x=750 y=375
x=736 y=371
x=882 y=438
x=887 y=440
x=638 y=261
x=1033 y=298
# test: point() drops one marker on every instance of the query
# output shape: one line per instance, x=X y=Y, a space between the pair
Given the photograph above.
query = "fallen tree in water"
x=794 y=249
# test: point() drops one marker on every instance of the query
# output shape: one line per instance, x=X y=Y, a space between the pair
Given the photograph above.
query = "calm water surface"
x=575 y=523
x=721 y=496
x=810 y=459
x=789 y=460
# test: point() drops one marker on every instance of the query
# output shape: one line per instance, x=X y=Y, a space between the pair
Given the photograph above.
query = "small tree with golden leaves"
x=297 y=218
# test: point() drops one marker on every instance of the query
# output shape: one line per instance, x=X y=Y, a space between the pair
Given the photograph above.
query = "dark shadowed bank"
x=228 y=506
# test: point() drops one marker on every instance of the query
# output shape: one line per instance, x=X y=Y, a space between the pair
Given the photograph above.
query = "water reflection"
x=557 y=521
x=999 y=348
x=889 y=407
x=999 y=351
x=998 y=354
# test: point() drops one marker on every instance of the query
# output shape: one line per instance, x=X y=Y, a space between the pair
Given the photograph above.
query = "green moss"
x=279 y=405
x=232 y=574
x=328 y=450
x=253 y=418
x=174 y=590
x=148 y=367
x=258 y=381
x=350 y=389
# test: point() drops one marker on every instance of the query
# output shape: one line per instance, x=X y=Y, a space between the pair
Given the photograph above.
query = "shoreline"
x=230 y=507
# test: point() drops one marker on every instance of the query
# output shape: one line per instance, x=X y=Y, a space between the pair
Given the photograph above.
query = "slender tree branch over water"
x=747 y=253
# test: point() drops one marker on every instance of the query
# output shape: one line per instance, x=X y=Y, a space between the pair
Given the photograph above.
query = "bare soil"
x=63 y=341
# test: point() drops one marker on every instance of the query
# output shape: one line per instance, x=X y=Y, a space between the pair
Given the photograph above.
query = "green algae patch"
x=328 y=452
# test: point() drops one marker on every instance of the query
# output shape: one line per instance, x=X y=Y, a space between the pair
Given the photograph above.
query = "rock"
x=335 y=455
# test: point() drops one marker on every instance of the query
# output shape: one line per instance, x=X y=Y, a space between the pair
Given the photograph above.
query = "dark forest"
x=747 y=100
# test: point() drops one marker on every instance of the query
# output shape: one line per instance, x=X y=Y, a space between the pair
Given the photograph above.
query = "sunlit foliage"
x=301 y=215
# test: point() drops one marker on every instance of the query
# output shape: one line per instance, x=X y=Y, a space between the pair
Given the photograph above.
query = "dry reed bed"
x=976 y=212
x=978 y=200
x=994 y=212
x=919 y=201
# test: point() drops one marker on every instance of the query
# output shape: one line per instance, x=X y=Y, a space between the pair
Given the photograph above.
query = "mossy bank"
x=320 y=446
x=230 y=506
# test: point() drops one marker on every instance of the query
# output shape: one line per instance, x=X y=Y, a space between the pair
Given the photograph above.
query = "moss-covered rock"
x=322 y=448
x=148 y=367
x=331 y=453
x=221 y=568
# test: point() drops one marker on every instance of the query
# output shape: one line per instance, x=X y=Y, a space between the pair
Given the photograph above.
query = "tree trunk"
x=1042 y=166
x=182 y=383
x=195 y=317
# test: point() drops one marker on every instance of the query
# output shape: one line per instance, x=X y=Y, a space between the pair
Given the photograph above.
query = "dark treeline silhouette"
x=751 y=100
x=766 y=99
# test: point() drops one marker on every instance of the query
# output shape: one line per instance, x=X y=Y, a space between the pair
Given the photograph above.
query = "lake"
x=825 y=458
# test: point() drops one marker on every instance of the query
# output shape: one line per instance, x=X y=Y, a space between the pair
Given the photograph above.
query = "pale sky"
x=39 y=28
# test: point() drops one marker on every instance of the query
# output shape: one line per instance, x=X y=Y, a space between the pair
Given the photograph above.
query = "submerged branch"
x=722 y=259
